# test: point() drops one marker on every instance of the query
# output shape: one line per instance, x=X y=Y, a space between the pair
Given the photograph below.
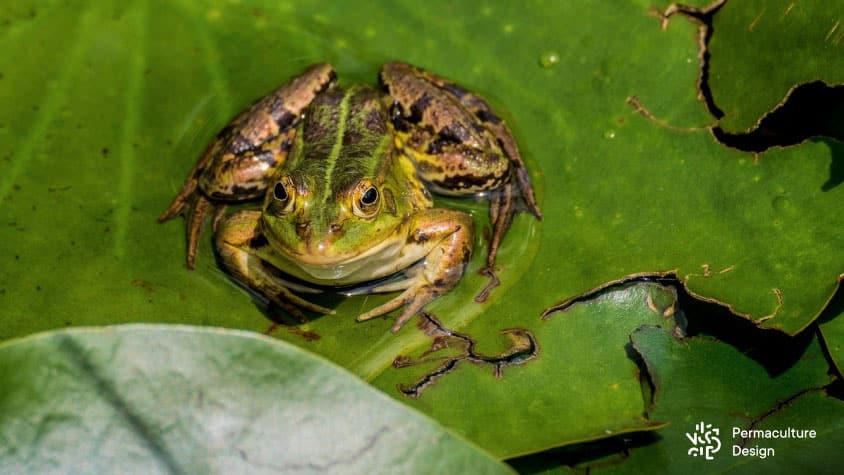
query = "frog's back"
x=343 y=138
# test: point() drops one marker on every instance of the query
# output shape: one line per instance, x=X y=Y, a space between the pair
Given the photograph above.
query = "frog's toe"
x=195 y=218
x=413 y=299
x=412 y=308
x=382 y=309
x=294 y=305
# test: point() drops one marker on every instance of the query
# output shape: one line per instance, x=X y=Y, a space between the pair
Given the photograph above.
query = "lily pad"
x=702 y=380
x=577 y=384
x=761 y=50
x=165 y=399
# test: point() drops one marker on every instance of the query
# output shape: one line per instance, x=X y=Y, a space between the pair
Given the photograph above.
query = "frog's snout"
x=322 y=242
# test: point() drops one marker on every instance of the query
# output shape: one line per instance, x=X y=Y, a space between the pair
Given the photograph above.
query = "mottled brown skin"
x=461 y=147
x=346 y=190
x=246 y=153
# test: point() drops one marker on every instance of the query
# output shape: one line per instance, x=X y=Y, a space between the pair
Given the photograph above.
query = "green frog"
x=346 y=176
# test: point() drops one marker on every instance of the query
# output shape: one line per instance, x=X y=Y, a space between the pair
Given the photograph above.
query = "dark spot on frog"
x=400 y=123
x=258 y=240
x=104 y=151
x=418 y=108
x=418 y=237
x=454 y=89
x=314 y=131
x=332 y=98
x=351 y=137
x=38 y=288
x=487 y=116
x=427 y=168
x=241 y=191
x=375 y=122
x=467 y=181
x=284 y=119
x=454 y=133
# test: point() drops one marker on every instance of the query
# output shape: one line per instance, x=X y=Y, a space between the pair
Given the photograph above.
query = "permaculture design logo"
x=704 y=441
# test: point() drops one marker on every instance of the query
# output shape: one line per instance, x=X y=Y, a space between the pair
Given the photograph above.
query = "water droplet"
x=610 y=134
x=549 y=58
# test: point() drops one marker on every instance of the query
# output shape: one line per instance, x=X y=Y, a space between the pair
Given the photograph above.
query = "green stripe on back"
x=343 y=138
x=337 y=146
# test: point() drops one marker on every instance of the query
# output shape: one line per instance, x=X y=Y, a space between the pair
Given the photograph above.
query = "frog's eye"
x=370 y=196
x=367 y=201
x=279 y=193
x=282 y=201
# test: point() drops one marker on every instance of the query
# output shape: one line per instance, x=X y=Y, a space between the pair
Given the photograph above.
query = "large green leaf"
x=704 y=380
x=108 y=104
x=165 y=399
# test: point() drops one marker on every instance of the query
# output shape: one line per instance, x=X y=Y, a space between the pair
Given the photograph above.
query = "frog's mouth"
x=372 y=263
x=318 y=258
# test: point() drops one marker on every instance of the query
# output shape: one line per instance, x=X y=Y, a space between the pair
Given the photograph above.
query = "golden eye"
x=367 y=200
x=283 y=193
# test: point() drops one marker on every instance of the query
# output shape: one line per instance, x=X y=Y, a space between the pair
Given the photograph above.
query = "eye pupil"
x=279 y=192
x=370 y=196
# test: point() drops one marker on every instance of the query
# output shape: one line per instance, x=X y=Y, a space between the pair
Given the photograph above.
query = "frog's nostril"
x=303 y=230
x=334 y=228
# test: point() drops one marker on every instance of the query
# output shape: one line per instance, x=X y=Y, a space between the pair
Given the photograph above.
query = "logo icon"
x=704 y=441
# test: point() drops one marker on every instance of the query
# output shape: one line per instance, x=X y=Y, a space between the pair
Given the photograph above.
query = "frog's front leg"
x=444 y=237
x=460 y=147
x=240 y=244
x=245 y=154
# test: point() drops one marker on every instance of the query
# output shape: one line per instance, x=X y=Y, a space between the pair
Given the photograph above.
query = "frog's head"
x=314 y=226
